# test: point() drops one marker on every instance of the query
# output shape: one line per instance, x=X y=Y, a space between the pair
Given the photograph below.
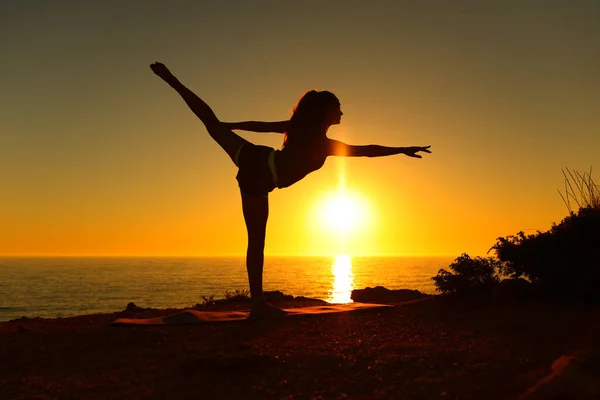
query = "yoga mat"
x=212 y=317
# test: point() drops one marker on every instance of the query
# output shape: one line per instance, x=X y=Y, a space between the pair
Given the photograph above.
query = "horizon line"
x=209 y=255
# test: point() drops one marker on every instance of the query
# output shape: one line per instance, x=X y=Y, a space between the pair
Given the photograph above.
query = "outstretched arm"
x=257 y=126
x=337 y=148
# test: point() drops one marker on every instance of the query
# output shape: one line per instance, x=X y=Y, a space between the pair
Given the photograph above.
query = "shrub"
x=565 y=260
x=206 y=302
x=469 y=276
x=238 y=295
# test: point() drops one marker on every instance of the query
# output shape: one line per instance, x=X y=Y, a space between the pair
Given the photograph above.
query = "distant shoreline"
x=367 y=295
x=74 y=286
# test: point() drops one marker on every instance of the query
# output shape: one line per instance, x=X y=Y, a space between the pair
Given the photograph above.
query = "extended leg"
x=256 y=213
x=229 y=141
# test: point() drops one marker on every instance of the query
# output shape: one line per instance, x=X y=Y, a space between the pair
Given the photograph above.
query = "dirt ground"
x=435 y=348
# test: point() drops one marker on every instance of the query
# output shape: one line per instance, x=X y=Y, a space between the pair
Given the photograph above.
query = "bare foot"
x=161 y=70
x=266 y=311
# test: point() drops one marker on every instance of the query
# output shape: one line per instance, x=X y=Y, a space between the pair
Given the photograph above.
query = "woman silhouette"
x=262 y=168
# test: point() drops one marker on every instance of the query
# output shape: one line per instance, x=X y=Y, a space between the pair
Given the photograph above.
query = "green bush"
x=469 y=276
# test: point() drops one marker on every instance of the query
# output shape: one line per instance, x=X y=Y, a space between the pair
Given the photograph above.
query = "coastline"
x=73 y=286
x=433 y=348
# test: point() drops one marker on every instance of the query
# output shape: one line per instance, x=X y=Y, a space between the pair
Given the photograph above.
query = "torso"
x=294 y=163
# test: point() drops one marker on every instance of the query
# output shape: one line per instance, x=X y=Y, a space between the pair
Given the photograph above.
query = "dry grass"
x=580 y=189
x=237 y=294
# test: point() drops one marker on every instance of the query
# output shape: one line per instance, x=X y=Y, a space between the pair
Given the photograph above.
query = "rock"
x=132 y=307
x=277 y=295
x=310 y=300
x=571 y=377
x=379 y=294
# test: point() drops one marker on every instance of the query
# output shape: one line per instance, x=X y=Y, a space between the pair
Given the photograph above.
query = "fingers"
x=414 y=150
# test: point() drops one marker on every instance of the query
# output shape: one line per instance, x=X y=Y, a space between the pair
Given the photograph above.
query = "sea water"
x=66 y=286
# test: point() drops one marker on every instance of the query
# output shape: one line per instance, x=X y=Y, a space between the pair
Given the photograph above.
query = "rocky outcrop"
x=380 y=294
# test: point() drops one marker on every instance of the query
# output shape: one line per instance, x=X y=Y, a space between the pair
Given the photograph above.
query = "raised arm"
x=337 y=148
x=258 y=126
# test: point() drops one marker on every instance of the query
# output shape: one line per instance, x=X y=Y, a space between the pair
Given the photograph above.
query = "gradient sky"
x=100 y=157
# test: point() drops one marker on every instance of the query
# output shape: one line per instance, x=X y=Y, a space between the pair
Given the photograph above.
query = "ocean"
x=67 y=286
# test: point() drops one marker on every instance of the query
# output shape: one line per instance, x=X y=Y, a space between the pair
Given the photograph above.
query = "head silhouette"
x=313 y=115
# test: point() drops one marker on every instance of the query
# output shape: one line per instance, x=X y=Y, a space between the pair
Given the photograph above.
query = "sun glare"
x=342 y=212
x=343 y=280
x=342 y=219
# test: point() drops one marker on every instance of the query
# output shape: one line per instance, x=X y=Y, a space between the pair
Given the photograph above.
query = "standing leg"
x=256 y=213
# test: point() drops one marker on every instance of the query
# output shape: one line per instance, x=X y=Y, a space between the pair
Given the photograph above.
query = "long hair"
x=309 y=118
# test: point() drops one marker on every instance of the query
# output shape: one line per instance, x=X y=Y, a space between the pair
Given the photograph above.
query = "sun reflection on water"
x=343 y=280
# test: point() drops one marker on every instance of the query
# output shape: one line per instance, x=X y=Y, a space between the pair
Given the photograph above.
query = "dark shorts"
x=254 y=176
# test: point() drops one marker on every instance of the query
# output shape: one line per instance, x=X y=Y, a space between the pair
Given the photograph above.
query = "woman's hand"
x=412 y=151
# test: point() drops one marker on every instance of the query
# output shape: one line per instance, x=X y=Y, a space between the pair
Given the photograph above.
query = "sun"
x=342 y=212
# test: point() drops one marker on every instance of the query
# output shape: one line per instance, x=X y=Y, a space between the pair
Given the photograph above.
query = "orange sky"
x=99 y=157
